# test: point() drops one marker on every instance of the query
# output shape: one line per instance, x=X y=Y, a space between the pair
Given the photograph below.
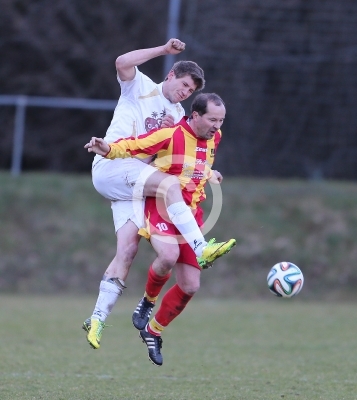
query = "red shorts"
x=158 y=222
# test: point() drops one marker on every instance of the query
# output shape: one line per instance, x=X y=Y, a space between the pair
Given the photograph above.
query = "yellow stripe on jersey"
x=154 y=93
x=142 y=146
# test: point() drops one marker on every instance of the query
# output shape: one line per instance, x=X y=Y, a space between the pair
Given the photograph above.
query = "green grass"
x=217 y=349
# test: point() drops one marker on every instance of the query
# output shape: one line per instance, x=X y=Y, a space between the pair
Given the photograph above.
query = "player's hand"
x=167 y=121
x=174 y=46
x=216 y=177
x=98 y=146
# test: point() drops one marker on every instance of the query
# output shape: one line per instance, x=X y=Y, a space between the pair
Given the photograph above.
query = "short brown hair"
x=199 y=103
x=183 y=68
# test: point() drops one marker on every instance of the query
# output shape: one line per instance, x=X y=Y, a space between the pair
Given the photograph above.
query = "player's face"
x=178 y=89
x=207 y=124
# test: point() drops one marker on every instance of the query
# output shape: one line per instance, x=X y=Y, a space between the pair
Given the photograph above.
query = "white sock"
x=108 y=295
x=181 y=216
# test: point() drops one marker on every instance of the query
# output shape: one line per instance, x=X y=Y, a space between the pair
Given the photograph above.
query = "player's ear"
x=170 y=75
x=194 y=115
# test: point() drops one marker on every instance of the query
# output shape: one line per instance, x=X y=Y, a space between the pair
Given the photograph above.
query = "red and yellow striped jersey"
x=179 y=152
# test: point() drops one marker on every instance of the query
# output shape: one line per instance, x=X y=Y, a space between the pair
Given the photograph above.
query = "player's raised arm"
x=98 y=146
x=126 y=63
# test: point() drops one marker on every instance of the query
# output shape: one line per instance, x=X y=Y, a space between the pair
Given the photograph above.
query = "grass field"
x=217 y=349
x=57 y=237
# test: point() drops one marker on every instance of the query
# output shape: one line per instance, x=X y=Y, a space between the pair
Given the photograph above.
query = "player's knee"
x=169 y=185
x=190 y=287
x=170 y=180
x=160 y=184
x=101 y=182
x=168 y=259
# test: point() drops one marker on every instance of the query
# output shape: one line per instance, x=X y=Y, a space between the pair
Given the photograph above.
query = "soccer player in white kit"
x=144 y=105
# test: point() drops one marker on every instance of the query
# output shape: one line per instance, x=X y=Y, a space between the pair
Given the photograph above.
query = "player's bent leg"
x=168 y=187
x=188 y=278
x=159 y=272
x=167 y=251
x=115 y=179
x=127 y=247
x=113 y=283
x=163 y=185
x=110 y=290
x=173 y=303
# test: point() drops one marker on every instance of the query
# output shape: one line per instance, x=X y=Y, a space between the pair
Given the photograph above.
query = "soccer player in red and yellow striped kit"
x=186 y=150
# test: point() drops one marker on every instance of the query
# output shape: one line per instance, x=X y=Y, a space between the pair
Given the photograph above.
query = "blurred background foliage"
x=286 y=69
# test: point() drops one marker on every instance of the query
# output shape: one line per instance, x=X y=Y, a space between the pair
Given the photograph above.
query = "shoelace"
x=211 y=241
x=215 y=246
x=100 y=328
x=89 y=326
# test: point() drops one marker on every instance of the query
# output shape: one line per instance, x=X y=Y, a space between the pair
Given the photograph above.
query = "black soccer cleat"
x=154 y=344
x=142 y=313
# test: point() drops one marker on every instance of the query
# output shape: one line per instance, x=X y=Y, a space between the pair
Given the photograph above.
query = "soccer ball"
x=285 y=279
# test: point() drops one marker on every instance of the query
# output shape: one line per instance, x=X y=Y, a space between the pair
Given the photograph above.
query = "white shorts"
x=125 y=210
x=122 y=181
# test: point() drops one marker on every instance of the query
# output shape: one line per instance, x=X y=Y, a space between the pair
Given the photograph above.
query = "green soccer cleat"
x=94 y=327
x=214 y=250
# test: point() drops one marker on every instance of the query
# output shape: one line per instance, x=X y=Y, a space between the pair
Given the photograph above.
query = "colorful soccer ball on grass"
x=285 y=279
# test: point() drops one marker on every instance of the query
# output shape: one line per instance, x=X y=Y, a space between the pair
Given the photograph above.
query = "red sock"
x=173 y=303
x=155 y=283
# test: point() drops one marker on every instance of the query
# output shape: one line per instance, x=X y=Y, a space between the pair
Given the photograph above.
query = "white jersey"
x=141 y=107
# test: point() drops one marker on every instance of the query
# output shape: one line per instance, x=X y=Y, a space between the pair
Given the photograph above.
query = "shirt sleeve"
x=141 y=147
x=129 y=88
